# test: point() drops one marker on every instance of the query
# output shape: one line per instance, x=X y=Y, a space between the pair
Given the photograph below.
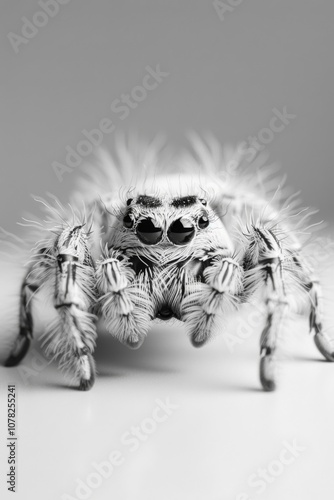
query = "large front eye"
x=149 y=231
x=128 y=221
x=181 y=231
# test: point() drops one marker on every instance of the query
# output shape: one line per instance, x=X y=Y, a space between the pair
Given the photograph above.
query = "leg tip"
x=18 y=352
x=11 y=361
x=87 y=369
x=268 y=385
x=323 y=346
x=86 y=384
x=136 y=344
x=199 y=341
x=267 y=377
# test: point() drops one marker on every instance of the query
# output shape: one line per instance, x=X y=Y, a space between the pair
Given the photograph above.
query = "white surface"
x=223 y=430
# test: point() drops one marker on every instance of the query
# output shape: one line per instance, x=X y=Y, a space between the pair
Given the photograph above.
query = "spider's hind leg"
x=313 y=286
x=320 y=338
x=34 y=278
x=23 y=339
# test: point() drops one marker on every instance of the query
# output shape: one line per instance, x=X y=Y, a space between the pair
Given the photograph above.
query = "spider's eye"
x=128 y=221
x=129 y=201
x=204 y=202
x=203 y=221
x=148 y=231
x=181 y=231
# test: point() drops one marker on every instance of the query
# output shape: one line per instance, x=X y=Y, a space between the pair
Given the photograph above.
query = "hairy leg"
x=71 y=336
x=322 y=341
x=205 y=301
x=313 y=287
x=126 y=301
x=66 y=268
x=23 y=340
x=264 y=268
x=39 y=272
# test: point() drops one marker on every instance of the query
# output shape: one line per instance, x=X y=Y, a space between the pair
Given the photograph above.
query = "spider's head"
x=173 y=221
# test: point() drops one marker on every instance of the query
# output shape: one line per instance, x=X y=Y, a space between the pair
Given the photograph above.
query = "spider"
x=149 y=236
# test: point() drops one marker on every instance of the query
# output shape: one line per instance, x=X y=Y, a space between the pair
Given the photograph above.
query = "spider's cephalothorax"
x=191 y=247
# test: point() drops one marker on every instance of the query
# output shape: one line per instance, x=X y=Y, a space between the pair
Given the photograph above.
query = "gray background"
x=224 y=77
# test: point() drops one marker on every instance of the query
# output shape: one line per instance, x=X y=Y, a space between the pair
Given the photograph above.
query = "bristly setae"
x=149 y=237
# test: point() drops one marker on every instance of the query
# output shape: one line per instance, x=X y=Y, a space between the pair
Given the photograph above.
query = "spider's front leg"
x=71 y=337
x=218 y=292
x=264 y=265
x=126 y=301
x=65 y=267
